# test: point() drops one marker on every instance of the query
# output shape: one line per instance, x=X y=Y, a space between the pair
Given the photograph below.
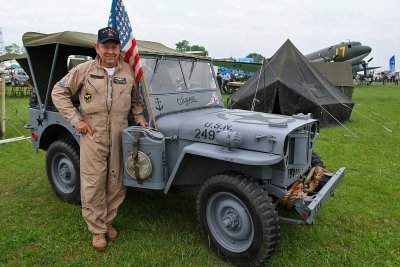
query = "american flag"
x=119 y=21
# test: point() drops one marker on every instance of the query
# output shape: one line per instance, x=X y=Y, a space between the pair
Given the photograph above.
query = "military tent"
x=288 y=84
x=340 y=74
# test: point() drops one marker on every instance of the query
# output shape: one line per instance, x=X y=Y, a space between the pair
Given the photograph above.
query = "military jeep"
x=246 y=167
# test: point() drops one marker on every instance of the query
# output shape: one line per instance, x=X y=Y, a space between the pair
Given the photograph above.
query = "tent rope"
x=379 y=115
x=353 y=134
x=15 y=110
x=15 y=128
x=377 y=123
x=253 y=103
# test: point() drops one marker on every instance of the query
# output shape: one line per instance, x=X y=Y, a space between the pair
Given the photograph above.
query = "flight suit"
x=104 y=104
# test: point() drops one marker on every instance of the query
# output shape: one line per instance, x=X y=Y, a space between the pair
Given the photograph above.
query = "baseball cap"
x=107 y=34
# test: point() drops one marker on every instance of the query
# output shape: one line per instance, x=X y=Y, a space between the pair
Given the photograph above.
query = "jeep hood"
x=258 y=131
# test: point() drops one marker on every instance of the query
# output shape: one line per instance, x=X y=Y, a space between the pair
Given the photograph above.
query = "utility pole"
x=3 y=106
x=3 y=92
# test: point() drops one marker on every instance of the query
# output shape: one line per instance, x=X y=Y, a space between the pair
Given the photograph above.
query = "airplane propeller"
x=326 y=59
x=364 y=64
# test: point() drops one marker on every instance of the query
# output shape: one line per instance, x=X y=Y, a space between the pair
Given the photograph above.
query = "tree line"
x=14 y=48
x=184 y=46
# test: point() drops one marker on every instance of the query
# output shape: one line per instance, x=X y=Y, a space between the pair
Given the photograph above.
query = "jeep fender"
x=240 y=156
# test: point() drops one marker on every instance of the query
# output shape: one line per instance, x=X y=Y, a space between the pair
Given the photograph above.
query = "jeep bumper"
x=312 y=205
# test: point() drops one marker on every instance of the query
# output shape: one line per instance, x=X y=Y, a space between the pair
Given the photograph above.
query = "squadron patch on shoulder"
x=118 y=80
x=63 y=82
x=87 y=96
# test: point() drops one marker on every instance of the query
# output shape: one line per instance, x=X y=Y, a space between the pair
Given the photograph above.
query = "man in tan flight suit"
x=107 y=93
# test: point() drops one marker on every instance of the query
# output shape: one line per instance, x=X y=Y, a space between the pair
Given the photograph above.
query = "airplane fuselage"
x=353 y=52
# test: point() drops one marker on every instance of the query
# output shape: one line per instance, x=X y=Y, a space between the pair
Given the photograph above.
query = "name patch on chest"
x=96 y=76
x=118 y=80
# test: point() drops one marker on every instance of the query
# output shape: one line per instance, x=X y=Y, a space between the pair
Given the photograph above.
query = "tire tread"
x=71 y=147
x=263 y=207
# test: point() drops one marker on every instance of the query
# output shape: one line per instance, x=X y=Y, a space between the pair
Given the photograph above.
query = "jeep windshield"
x=173 y=75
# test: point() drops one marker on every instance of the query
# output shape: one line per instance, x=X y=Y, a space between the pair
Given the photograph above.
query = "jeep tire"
x=238 y=219
x=62 y=165
x=316 y=160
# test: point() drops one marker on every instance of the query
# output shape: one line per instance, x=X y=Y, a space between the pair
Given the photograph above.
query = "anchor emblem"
x=159 y=107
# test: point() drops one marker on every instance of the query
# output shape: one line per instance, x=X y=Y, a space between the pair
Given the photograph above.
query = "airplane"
x=354 y=52
x=350 y=51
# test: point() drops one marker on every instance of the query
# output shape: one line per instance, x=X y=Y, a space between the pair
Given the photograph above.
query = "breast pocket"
x=90 y=98
x=122 y=97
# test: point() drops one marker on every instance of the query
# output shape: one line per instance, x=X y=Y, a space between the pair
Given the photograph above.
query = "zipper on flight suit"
x=109 y=93
x=108 y=106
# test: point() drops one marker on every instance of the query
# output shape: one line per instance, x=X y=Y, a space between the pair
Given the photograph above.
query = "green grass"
x=360 y=226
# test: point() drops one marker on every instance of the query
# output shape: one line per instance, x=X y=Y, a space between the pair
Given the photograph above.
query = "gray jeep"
x=246 y=167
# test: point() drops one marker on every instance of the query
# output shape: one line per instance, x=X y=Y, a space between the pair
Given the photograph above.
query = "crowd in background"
x=226 y=75
x=378 y=77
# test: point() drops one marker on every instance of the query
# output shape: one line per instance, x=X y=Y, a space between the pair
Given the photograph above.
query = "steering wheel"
x=194 y=85
x=180 y=86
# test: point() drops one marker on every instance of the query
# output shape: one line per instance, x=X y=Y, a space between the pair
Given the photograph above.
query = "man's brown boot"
x=112 y=234
x=99 y=242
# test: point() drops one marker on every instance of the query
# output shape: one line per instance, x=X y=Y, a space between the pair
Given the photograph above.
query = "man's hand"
x=143 y=123
x=83 y=128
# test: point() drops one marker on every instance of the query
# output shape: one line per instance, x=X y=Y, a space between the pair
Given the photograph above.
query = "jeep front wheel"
x=62 y=165
x=238 y=218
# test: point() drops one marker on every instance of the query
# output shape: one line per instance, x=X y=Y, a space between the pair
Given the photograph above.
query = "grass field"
x=360 y=226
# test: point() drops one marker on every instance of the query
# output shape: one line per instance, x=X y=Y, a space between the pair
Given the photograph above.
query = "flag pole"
x=149 y=101
x=119 y=19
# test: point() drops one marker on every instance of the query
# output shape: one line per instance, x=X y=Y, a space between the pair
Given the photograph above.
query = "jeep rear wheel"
x=62 y=165
x=238 y=218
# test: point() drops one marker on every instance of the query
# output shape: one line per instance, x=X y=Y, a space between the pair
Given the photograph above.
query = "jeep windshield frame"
x=179 y=84
x=176 y=75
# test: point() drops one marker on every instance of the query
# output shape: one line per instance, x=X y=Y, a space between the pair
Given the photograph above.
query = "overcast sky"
x=225 y=28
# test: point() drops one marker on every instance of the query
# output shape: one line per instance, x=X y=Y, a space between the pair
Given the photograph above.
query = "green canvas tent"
x=288 y=84
x=340 y=74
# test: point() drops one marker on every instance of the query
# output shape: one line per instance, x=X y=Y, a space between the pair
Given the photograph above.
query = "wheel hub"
x=231 y=219
x=64 y=172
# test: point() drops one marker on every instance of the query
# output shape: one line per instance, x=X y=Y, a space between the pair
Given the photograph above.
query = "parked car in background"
x=19 y=77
